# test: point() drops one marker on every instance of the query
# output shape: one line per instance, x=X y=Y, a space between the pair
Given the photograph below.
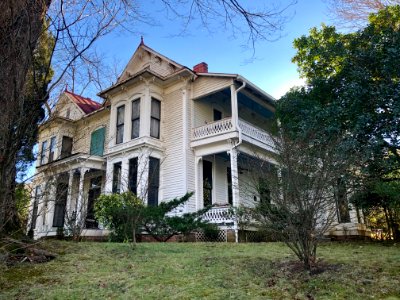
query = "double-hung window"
x=135 y=118
x=153 y=181
x=155 y=118
x=116 y=183
x=120 y=124
x=43 y=153
x=133 y=172
x=52 y=148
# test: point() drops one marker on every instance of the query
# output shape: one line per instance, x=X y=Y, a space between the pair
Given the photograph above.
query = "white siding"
x=172 y=166
x=206 y=85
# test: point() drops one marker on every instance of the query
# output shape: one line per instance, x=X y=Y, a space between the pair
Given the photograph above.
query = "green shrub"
x=122 y=214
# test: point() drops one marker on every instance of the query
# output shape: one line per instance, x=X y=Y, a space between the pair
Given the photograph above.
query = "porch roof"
x=76 y=160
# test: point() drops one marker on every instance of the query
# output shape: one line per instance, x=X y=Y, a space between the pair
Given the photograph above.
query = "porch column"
x=234 y=177
x=197 y=185
x=79 y=209
x=234 y=107
x=109 y=177
x=143 y=176
x=69 y=196
x=235 y=187
x=124 y=175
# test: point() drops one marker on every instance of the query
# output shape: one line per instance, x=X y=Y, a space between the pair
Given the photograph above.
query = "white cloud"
x=282 y=89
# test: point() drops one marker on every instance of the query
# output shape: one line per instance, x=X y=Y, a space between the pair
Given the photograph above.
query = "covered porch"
x=69 y=193
x=225 y=180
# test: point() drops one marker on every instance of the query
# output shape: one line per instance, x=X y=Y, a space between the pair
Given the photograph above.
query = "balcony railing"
x=219 y=215
x=226 y=126
x=255 y=133
x=213 y=128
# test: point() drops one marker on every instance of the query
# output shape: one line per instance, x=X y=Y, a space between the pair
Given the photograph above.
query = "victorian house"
x=162 y=130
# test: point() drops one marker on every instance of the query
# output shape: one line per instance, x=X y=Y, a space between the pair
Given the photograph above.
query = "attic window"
x=67 y=114
x=157 y=60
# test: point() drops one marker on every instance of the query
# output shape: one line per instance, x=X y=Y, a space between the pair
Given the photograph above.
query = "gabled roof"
x=145 y=57
x=87 y=105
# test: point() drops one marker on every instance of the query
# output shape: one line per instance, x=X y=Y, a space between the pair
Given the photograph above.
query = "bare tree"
x=355 y=13
x=298 y=205
x=76 y=25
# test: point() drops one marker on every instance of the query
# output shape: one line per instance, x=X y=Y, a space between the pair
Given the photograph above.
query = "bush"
x=122 y=214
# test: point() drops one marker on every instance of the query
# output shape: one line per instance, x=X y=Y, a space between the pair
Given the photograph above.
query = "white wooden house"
x=162 y=130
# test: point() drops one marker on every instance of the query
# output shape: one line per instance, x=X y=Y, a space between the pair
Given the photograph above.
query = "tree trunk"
x=20 y=27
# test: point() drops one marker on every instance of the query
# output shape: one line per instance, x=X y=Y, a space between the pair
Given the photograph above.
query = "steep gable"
x=146 y=58
x=87 y=105
x=74 y=107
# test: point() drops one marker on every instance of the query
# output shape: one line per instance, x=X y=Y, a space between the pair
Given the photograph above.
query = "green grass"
x=90 y=270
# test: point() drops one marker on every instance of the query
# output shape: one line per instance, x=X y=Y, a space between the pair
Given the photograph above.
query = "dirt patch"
x=293 y=267
x=16 y=251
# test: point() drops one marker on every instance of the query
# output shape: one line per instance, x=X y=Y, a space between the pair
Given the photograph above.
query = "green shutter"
x=97 y=142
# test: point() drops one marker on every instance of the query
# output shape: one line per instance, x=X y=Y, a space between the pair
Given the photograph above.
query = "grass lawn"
x=91 y=270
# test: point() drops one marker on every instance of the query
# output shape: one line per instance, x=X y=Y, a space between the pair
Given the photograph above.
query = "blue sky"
x=271 y=69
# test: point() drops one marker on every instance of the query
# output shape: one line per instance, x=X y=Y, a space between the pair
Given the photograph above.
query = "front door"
x=207 y=183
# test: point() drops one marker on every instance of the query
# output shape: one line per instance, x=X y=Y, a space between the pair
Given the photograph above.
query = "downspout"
x=237 y=107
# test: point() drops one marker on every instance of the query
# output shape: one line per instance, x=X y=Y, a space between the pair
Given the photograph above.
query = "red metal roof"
x=86 y=104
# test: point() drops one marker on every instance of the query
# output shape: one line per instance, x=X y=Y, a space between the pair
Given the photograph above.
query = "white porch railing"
x=218 y=215
x=255 y=133
x=225 y=126
x=213 y=128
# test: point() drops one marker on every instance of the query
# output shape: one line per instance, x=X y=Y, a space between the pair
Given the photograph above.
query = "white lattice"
x=214 y=128
x=255 y=133
x=218 y=215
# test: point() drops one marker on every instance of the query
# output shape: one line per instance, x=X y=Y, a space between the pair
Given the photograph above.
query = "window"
x=133 y=171
x=35 y=207
x=154 y=181
x=52 y=148
x=66 y=147
x=135 y=118
x=116 y=186
x=97 y=142
x=155 y=118
x=43 y=153
x=120 y=124
x=93 y=194
x=68 y=113
x=59 y=205
x=217 y=115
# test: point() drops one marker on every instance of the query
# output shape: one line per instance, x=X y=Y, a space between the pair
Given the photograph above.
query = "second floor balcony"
x=224 y=129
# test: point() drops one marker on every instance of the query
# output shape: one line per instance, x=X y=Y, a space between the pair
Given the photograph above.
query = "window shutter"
x=97 y=142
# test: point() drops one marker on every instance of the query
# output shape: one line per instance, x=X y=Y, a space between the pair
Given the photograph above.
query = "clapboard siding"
x=172 y=165
x=84 y=130
x=206 y=85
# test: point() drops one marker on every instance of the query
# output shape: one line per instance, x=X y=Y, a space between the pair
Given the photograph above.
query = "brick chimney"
x=201 y=68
